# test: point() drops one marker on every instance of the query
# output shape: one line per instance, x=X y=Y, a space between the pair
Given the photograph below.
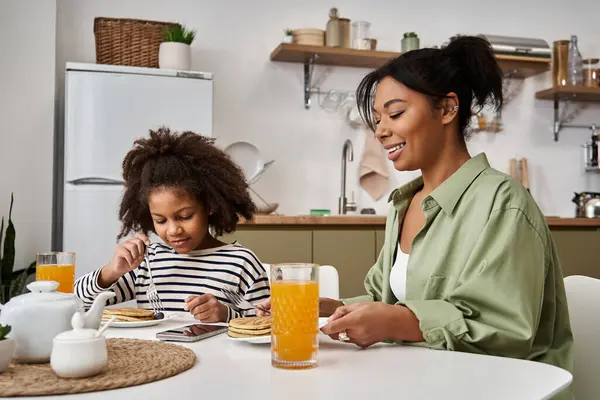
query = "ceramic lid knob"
x=79 y=333
x=43 y=286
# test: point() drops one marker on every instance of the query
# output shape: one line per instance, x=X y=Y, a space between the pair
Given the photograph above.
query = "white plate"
x=247 y=157
x=267 y=338
x=253 y=340
x=140 y=324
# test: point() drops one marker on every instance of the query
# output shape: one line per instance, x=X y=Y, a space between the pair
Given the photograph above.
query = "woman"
x=468 y=263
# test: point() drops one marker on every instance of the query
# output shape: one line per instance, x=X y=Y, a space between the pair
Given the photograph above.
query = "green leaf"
x=19 y=280
x=4 y=330
x=178 y=33
x=8 y=259
x=1 y=233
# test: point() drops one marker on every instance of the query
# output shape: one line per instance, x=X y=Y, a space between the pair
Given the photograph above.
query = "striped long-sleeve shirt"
x=178 y=276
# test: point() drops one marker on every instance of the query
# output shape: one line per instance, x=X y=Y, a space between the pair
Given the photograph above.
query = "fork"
x=241 y=303
x=151 y=292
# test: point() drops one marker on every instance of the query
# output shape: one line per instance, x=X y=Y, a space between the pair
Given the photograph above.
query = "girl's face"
x=412 y=132
x=179 y=219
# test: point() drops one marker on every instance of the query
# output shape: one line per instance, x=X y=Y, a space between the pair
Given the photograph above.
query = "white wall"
x=27 y=74
x=261 y=101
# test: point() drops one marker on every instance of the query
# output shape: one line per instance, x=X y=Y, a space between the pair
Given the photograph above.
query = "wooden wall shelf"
x=518 y=67
x=569 y=93
x=299 y=53
x=573 y=93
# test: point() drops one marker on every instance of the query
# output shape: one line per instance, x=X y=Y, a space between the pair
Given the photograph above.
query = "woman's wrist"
x=403 y=325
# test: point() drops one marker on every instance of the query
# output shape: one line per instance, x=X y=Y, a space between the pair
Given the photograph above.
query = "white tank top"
x=398 y=275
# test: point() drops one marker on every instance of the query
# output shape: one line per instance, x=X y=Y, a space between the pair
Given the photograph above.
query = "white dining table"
x=228 y=369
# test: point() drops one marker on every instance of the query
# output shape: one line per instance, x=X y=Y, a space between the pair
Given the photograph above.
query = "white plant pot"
x=174 y=55
x=287 y=39
x=7 y=351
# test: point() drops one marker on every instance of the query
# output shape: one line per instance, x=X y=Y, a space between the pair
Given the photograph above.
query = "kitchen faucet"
x=343 y=204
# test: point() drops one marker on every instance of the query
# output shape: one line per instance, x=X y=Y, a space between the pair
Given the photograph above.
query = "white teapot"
x=37 y=317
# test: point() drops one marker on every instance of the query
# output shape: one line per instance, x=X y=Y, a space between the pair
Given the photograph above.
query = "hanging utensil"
x=261 y=171
x=512 y=168
x=525 y=174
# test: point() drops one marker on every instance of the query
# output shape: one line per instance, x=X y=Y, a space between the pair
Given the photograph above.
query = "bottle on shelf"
x=575 y=63
x=333 y=35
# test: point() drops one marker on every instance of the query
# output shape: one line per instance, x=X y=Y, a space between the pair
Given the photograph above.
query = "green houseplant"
x=12 y=283
x=288 y=36
x=7 y=347
x=410 y=41
x=175 y=51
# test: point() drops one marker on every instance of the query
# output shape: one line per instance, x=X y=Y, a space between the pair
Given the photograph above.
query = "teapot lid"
x=41 y=291
x=79 y=333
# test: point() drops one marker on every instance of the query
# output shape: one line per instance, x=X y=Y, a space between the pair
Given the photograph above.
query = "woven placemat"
x=131 y=362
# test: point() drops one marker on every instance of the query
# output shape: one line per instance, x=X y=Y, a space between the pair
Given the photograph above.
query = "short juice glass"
x=295 y=315
x=58 y=267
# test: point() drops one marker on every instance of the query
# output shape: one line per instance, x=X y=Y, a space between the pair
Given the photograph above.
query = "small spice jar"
x=560 y=68
x=590 y=72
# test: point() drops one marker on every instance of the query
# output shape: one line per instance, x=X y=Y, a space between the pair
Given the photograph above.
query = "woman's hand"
x=206 y=308
x=326 y=306
x=128 y=256
x=368 y=323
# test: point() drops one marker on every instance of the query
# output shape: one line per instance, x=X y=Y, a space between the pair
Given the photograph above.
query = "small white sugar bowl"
x=81 y=352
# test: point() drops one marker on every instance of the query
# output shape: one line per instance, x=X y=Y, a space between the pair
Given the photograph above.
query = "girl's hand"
x=206 y=308
x=265 y=305
x=326 y=306
x=128 y=256
x=369 y=323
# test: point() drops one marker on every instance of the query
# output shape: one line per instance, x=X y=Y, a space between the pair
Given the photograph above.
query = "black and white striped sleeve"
x=87 y=288
x=259 y=288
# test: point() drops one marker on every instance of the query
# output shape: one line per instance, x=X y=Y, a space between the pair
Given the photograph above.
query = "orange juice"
x=295 y=311
x=63 y=274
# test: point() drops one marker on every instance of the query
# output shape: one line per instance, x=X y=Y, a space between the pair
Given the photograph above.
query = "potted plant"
x=7 y=347
x=410 y=42
x=12 y=283
x=175 y=51
x=287 y=37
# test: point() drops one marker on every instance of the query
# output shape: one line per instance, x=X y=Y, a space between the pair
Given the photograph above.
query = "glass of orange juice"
x=56 y=266
x=295 y=315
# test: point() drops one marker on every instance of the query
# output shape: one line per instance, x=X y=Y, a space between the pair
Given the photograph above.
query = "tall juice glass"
x=56 y=266
x=295 y=315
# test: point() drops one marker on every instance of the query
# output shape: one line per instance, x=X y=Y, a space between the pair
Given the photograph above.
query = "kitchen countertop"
x=379 y=220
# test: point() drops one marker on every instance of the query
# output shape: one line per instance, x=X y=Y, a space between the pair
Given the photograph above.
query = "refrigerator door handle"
x=93 y=180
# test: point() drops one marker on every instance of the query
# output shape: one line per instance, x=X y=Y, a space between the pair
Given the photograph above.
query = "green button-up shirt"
x=483 y=274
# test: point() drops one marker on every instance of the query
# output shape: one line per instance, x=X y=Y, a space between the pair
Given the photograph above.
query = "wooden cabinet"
x=578 y=251
x=276 y=246
x=352 y=253
x=354 y=249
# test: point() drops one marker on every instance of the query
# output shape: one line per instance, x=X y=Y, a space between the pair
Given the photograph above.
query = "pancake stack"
x=249 y=327
x=127 y=314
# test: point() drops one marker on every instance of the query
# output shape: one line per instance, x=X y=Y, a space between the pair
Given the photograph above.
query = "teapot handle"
x=43 y=286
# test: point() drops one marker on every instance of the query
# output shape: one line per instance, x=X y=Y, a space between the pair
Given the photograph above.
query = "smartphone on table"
x=191 y=333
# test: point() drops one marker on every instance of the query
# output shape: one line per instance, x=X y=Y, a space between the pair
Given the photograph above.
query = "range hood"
x=516 y=46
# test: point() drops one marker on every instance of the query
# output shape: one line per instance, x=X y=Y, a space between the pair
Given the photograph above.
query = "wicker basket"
x=131 y=42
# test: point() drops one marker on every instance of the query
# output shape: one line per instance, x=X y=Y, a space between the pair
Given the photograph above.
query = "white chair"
x=583 y=297
x=329 y=280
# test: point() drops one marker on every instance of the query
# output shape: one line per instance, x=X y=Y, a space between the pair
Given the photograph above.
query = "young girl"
x=177 y=186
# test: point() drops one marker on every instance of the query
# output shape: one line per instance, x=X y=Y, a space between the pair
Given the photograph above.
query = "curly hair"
x=187 y=161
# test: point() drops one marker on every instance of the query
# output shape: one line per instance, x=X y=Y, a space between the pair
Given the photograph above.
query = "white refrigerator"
x=106 y=108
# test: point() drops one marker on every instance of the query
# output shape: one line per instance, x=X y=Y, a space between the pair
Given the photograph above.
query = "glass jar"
x=345 y=32
x=560 y=66
x=360 y=35
x=590 y=72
